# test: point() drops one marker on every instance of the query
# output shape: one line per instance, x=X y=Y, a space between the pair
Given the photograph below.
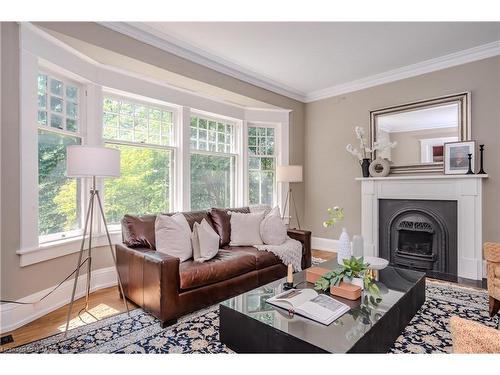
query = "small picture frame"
x=456 y=159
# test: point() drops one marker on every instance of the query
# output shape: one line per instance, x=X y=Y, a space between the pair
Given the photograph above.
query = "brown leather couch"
x=168 y=289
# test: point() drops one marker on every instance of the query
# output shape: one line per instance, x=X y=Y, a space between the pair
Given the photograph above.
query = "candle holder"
x=481 y=170
x=470 y=164
x=287 y=286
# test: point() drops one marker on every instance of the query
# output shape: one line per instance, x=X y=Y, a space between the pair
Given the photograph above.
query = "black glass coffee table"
x=250 y=325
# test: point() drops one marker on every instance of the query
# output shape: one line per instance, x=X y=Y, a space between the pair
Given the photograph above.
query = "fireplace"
x=419 y=234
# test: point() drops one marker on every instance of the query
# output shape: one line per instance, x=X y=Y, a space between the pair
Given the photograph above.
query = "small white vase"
x=357 y=246
x=358 y=281
x=344 y=247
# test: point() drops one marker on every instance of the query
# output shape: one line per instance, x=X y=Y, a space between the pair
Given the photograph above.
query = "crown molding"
x=147 y=34
x=458 y=58
x=153 y=37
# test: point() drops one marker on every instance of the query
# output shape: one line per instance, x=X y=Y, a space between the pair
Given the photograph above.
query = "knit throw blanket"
x=289 y=252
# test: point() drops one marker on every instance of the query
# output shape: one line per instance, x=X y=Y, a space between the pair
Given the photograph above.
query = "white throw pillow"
x=245 y=228
x=173 y=236
x=272 y=229
x=260 y=208
x=205 y=241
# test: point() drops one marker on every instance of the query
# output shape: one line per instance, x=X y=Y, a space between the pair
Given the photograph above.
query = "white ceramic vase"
x=357 y=246
x=358 y=281
x=344 y=247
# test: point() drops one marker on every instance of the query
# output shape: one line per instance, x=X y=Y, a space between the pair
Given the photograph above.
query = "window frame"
x=236 y=153
x=275 y=157
x=41 y=51
x=79 y=134
x=173 y=147
x=65 y=79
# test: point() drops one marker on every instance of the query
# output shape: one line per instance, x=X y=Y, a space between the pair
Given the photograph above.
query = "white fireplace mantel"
x=466 y=190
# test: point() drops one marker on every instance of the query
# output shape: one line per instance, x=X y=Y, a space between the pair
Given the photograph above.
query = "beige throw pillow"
x=173 y=236
x=245 y=228
x=272 y=229
x=205 y=241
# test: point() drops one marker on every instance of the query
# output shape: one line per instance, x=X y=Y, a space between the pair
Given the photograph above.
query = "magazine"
x=308 y=303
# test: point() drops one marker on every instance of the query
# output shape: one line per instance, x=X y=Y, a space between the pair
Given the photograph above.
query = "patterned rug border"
x=443 y=291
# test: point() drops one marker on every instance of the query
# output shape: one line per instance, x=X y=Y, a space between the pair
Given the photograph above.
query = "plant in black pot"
x=362 y=153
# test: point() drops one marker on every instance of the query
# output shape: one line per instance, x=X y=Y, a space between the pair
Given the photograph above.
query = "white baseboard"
x=325 y=244
x=13 y=316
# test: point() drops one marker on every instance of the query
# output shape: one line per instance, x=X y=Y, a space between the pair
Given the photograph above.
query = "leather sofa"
x=168 y=289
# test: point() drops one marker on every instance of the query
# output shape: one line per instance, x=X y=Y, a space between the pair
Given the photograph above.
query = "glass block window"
x=137 y=122
x=58 y=103
x=261 y=165
x=211 y=135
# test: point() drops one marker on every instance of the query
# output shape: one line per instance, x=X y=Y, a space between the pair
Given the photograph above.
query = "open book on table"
x=310 y=304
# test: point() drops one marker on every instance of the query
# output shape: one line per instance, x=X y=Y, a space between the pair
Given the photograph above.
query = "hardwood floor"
x=102 y=304
x=324 y=254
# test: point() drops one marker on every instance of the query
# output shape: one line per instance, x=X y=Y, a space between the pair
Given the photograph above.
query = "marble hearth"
x=465 y=192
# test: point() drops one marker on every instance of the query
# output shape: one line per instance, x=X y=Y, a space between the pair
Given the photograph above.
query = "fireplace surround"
x=465 y=190
x=420 y=235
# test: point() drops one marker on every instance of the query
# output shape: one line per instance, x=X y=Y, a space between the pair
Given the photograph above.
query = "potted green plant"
x=350 y=269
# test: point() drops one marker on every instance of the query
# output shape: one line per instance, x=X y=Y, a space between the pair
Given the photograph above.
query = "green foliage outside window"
x=211 y=181
x=58 y=203
x=144 y=185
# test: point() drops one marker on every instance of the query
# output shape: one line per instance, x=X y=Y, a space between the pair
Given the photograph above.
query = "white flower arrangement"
x=360 y=135
x=361 y=154
x=381 y=146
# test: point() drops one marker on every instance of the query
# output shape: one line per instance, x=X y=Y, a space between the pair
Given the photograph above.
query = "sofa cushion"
x=173 y=236
x=225 y=265
x=197 y=217
x=222 y=222
x=139 y=231
x=263 y=259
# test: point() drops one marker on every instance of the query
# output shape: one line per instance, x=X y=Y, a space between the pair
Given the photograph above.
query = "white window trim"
x=237 y=187
x=81 y=121
x=277 y=144
x=173 y=147
x=38 y=46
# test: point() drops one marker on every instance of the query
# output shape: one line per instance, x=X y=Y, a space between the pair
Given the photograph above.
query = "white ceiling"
x=308 y=60
x=445 y=116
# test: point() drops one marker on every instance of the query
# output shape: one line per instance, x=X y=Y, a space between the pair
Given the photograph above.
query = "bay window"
x=59 y=197
x=194 y=154
x=213 y=160
x=143 y=132
x=261 y=165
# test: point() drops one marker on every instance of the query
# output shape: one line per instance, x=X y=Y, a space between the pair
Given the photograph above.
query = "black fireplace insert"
x=420 y=234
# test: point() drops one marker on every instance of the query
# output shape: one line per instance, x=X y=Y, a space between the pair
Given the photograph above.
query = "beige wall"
x=17 y=282
x=330 y=170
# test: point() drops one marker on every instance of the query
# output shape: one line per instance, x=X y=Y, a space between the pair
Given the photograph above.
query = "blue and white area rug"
x=199 y=332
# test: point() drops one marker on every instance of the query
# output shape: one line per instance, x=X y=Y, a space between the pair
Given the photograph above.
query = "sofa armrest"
x=303 y=236
x=150 y=278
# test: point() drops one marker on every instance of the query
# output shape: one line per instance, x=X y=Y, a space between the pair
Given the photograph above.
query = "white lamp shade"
x=88 y=161
x=289 y=173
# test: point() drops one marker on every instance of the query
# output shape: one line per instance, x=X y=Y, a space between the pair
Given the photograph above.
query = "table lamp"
x=289 y=173
x=92 y=162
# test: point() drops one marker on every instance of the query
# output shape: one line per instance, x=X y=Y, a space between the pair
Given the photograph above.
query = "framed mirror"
x=420 y=130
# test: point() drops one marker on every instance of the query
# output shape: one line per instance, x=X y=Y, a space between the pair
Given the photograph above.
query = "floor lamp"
x=92 y=162
x=290 y=173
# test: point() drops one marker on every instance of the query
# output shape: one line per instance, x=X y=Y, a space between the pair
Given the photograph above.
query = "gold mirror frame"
x=463 y=100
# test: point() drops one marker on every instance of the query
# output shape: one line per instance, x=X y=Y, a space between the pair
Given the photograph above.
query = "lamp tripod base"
x=94 y=197
x=289 y=197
